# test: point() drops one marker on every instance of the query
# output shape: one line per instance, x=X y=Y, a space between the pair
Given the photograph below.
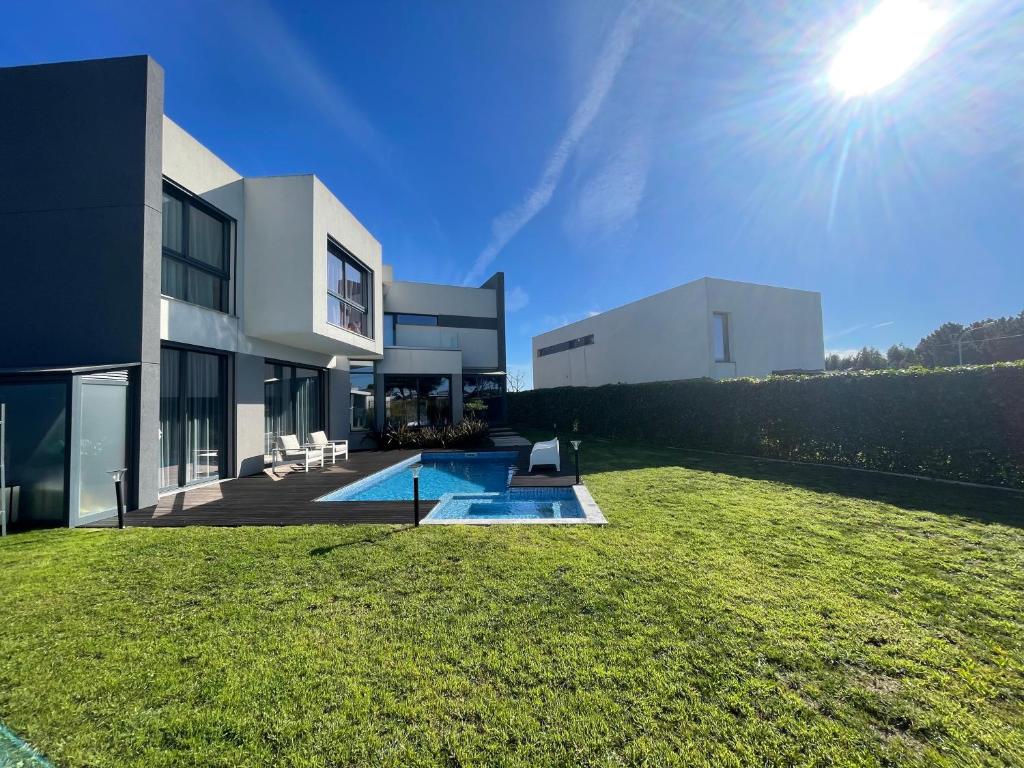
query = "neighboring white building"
x=709 y=328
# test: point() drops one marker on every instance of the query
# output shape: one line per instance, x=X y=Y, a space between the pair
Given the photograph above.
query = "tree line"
x=985 y=341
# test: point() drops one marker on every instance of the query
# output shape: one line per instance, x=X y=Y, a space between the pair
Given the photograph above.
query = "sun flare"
x=883 y=45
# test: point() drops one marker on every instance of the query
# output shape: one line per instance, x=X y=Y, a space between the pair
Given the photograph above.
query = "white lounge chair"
x=545 y=452
x=288 y=449
x=332 y=448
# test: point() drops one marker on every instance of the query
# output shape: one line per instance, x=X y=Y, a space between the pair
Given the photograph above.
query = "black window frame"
x=392 y=319
x=360 y=364
x=189 y=201
x=348 y=258
x=582 y=341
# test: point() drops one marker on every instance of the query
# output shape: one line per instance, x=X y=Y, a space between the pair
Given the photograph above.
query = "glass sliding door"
x=418 y=401
x=170 y=418
x=293 y=400
x=193 y=415
x=204 y=417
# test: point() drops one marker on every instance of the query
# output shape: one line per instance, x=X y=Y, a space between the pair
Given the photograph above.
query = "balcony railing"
x=426 y=337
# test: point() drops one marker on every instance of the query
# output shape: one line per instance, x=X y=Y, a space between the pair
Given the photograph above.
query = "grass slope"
x=734 y=613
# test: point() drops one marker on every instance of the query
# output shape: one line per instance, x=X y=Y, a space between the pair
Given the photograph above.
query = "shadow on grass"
x=321 y=551
x=982 y=504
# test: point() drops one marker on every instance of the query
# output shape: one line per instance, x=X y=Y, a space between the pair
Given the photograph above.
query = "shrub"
x=964 y=423
x=467 y=433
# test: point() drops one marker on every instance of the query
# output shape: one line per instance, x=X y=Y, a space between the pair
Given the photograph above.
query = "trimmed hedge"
x=964 y=423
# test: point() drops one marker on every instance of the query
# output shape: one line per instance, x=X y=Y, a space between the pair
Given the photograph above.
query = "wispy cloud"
x=290 y=61
x=516 y=299
x=886 y=324
x=610 y=197
x=845 y=331
x=609 y=62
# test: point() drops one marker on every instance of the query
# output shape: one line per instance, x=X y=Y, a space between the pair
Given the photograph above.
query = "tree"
x=899 y=356
x=867 y=359
x=516 y=381
x=984 y=341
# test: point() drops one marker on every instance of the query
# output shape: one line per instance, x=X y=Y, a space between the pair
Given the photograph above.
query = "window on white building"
x=720 y=329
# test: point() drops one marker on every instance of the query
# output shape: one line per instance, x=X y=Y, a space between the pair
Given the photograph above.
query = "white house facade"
x=195 y=313
x=708 y=328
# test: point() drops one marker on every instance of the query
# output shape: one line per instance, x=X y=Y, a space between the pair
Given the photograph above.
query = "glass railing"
x=426 y=337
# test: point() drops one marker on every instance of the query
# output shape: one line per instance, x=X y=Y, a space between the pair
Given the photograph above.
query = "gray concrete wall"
x=80 y=220
x=249 y=414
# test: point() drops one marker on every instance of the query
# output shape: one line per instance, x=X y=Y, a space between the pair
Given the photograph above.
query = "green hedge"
x=963 y=423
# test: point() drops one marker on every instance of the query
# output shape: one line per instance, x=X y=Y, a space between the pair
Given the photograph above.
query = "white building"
x=709 y=328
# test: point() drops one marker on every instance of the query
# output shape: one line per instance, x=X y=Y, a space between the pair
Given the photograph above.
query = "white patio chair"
x=545 y=452
x=288 y=449
x=332 y=448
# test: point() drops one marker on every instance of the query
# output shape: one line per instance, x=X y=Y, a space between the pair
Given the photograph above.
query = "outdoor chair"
x=545 y=452
x=288 y=449
x=332 y=448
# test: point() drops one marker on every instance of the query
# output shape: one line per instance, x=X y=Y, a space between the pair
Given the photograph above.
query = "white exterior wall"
x=194 y=167
x=668 y=336
x=479 y=346
x=289 y=221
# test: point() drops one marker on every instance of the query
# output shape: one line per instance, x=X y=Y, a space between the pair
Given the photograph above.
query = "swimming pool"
x=517 y=505
x=442 y=473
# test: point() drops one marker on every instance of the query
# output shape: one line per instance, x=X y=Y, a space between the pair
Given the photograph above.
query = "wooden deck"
x=290 y=497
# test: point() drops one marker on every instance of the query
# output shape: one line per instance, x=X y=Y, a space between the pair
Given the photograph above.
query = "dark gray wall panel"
x=80 y=217
x=74 y=135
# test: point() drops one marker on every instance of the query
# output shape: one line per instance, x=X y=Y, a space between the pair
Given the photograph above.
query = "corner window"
x=196 y=247
x=348 y=291
x=361 y=401
x=720 y=330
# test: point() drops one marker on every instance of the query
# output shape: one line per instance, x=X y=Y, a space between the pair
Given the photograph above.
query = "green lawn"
x=734 y=613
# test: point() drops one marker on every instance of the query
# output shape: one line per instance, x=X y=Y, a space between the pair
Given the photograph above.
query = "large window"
x=193 y=414
x=348 y=291
x=293 y=402
x=488 y=390
x=418 y=401
x=361 y=398
x=720 y=329
x=196 y=251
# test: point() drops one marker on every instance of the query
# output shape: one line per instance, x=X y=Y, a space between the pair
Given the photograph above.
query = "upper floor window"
x=348 y=291
x=393 y=320
x=196 y=248
x=720 y=329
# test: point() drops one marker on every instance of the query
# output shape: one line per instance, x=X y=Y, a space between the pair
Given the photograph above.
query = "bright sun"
x=883 y=46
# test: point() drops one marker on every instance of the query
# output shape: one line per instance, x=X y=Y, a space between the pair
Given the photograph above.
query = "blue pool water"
x=513 y=504
x=442 y=473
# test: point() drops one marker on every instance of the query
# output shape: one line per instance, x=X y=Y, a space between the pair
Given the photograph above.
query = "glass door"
x=193 y=410
x=293 y=401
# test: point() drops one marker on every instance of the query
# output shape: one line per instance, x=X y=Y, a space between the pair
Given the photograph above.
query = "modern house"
x=709 y=328
x=165 y=314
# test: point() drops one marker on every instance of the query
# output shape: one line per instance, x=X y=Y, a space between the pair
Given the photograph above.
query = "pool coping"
x=592 y=514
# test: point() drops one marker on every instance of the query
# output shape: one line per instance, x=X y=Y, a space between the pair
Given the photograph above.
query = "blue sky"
x=600 y=152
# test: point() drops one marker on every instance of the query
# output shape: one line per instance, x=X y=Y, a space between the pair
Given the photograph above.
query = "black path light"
x=117 y=475
x=576 y=448
x=416 y=493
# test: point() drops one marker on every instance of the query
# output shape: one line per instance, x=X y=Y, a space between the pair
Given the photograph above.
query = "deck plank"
x=290 y=499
